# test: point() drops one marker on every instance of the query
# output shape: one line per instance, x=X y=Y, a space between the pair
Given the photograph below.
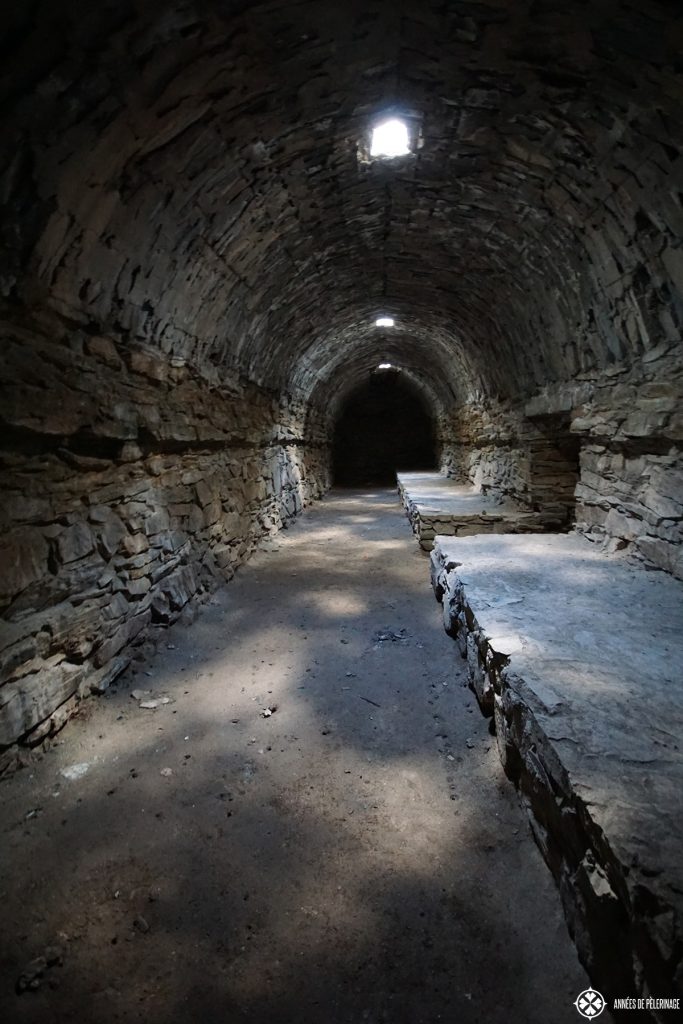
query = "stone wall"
x=631 y=490
x=501 y=452
x=187 y=196
x=603 y=451
x=129 y=486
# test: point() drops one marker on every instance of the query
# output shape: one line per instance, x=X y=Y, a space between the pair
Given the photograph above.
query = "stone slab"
x=578 y=654
x=436 y=504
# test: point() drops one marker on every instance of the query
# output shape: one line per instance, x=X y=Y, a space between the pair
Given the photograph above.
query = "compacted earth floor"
x=308 y=824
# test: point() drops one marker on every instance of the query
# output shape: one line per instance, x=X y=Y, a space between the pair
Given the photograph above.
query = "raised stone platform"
x=436 y=504
x=579 y=657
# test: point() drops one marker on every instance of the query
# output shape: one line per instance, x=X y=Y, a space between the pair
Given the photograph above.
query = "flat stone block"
x=437 y=504
x=578 y=655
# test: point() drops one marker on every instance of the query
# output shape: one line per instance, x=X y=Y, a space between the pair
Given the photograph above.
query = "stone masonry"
x=128 y=489
x=603 y=452
x=587 y=726
x=196 y=244
x=437 y=506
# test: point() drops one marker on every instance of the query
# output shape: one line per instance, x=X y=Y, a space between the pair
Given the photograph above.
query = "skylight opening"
x=384 y=321
x=390 y=138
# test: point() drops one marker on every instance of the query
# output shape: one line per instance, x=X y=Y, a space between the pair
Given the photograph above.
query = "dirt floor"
x=355 y=856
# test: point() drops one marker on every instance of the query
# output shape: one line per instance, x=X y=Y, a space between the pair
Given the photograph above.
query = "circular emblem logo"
x=590 y=1004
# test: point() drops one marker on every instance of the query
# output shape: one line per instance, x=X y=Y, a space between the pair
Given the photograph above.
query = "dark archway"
x=383 y=426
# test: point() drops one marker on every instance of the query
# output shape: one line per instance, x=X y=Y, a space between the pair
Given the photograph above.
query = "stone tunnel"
x=221 y=297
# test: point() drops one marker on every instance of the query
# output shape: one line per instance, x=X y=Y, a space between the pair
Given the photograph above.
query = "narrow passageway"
x=255 y=251
x=383 y=425
x=356 y=855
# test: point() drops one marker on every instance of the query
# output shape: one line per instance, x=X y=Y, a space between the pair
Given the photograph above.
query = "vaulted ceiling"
x=194 y=176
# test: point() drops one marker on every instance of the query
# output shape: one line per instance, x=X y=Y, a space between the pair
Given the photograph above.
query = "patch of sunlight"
x=341 y=603
x=390 y=139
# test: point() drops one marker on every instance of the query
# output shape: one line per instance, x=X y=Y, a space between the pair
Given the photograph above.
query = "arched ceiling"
x=352 y=346
x=190 y=176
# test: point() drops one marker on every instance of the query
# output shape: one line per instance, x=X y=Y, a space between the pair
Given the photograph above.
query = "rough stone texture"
x=382 y=852
x=588 y=725
x=631 y=487
x=192 y=176
x=195 y=245
x=190 y=181
x=131 y=490
x=436 y=504
x=604 y=451
x=501 y=452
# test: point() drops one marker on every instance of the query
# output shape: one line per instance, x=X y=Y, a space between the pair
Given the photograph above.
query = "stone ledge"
x=578 y=655
x=436 y=504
